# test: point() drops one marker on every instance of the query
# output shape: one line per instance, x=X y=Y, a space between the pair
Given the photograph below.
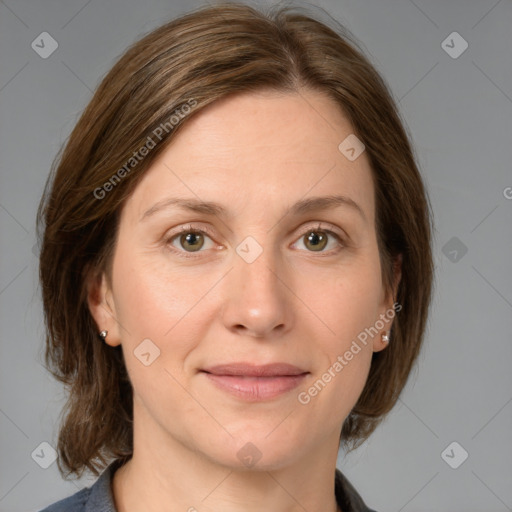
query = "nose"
x=258 y=301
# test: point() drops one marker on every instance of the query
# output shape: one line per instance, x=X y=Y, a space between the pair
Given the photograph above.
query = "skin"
x=256 y=154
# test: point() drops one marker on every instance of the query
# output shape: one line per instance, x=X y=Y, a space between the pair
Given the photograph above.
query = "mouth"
x=255 y=383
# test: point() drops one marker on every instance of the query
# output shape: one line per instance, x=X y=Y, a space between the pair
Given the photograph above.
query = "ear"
x=102 y=307
x=387 y=305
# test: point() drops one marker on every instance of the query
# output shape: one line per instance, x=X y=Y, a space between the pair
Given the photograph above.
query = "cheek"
x=150 y=299
x=349 y=305
x=354 y=314
x=335 y=388
x=162 y=304
x=149 y=309
x=358 y=295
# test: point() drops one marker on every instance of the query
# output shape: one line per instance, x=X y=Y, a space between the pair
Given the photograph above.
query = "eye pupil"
x=192 y=239
x=318 y=241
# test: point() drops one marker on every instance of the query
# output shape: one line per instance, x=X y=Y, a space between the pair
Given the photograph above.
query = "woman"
x=236 y=268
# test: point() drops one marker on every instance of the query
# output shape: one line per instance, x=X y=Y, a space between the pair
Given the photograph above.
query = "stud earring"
x=385 y=338
x=103 y=335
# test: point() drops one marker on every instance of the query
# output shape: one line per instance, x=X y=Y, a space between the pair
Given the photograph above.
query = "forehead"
x=259 y=151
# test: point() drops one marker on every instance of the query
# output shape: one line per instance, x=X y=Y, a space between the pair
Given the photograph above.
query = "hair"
x=197 y=59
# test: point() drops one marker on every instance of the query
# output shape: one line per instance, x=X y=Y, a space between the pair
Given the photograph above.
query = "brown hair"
x=196 y=60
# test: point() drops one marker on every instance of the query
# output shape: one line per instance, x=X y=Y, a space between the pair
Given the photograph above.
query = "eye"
x=189 y=239
x=316 y=239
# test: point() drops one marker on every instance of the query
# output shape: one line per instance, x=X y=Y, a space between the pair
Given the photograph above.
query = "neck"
x=165 y=474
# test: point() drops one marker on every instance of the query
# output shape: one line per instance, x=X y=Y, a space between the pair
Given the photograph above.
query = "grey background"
x=459 y=112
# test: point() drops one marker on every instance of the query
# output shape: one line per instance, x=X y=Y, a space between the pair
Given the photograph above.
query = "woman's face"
x=261 y=274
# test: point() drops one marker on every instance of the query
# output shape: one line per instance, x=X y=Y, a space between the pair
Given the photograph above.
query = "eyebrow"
x=301 y=207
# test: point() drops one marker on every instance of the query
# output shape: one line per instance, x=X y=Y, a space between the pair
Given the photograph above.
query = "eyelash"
x=205 y=231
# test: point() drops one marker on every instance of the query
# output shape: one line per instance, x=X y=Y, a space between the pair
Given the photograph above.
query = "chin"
x=256 y=452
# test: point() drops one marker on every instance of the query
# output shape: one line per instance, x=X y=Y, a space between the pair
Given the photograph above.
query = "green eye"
x=194 y=240
x=317 y=241
x=191 y=240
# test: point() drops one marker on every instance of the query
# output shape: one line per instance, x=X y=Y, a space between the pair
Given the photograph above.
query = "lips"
x=250 y=370
x=255 y=383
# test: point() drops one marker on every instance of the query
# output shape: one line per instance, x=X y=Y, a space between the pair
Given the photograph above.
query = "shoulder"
x=96 y=498
x=347 y=496
x=74 y=503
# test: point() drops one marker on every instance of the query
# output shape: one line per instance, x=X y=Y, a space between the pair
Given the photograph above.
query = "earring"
x=103 y=335
x=385 y=338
